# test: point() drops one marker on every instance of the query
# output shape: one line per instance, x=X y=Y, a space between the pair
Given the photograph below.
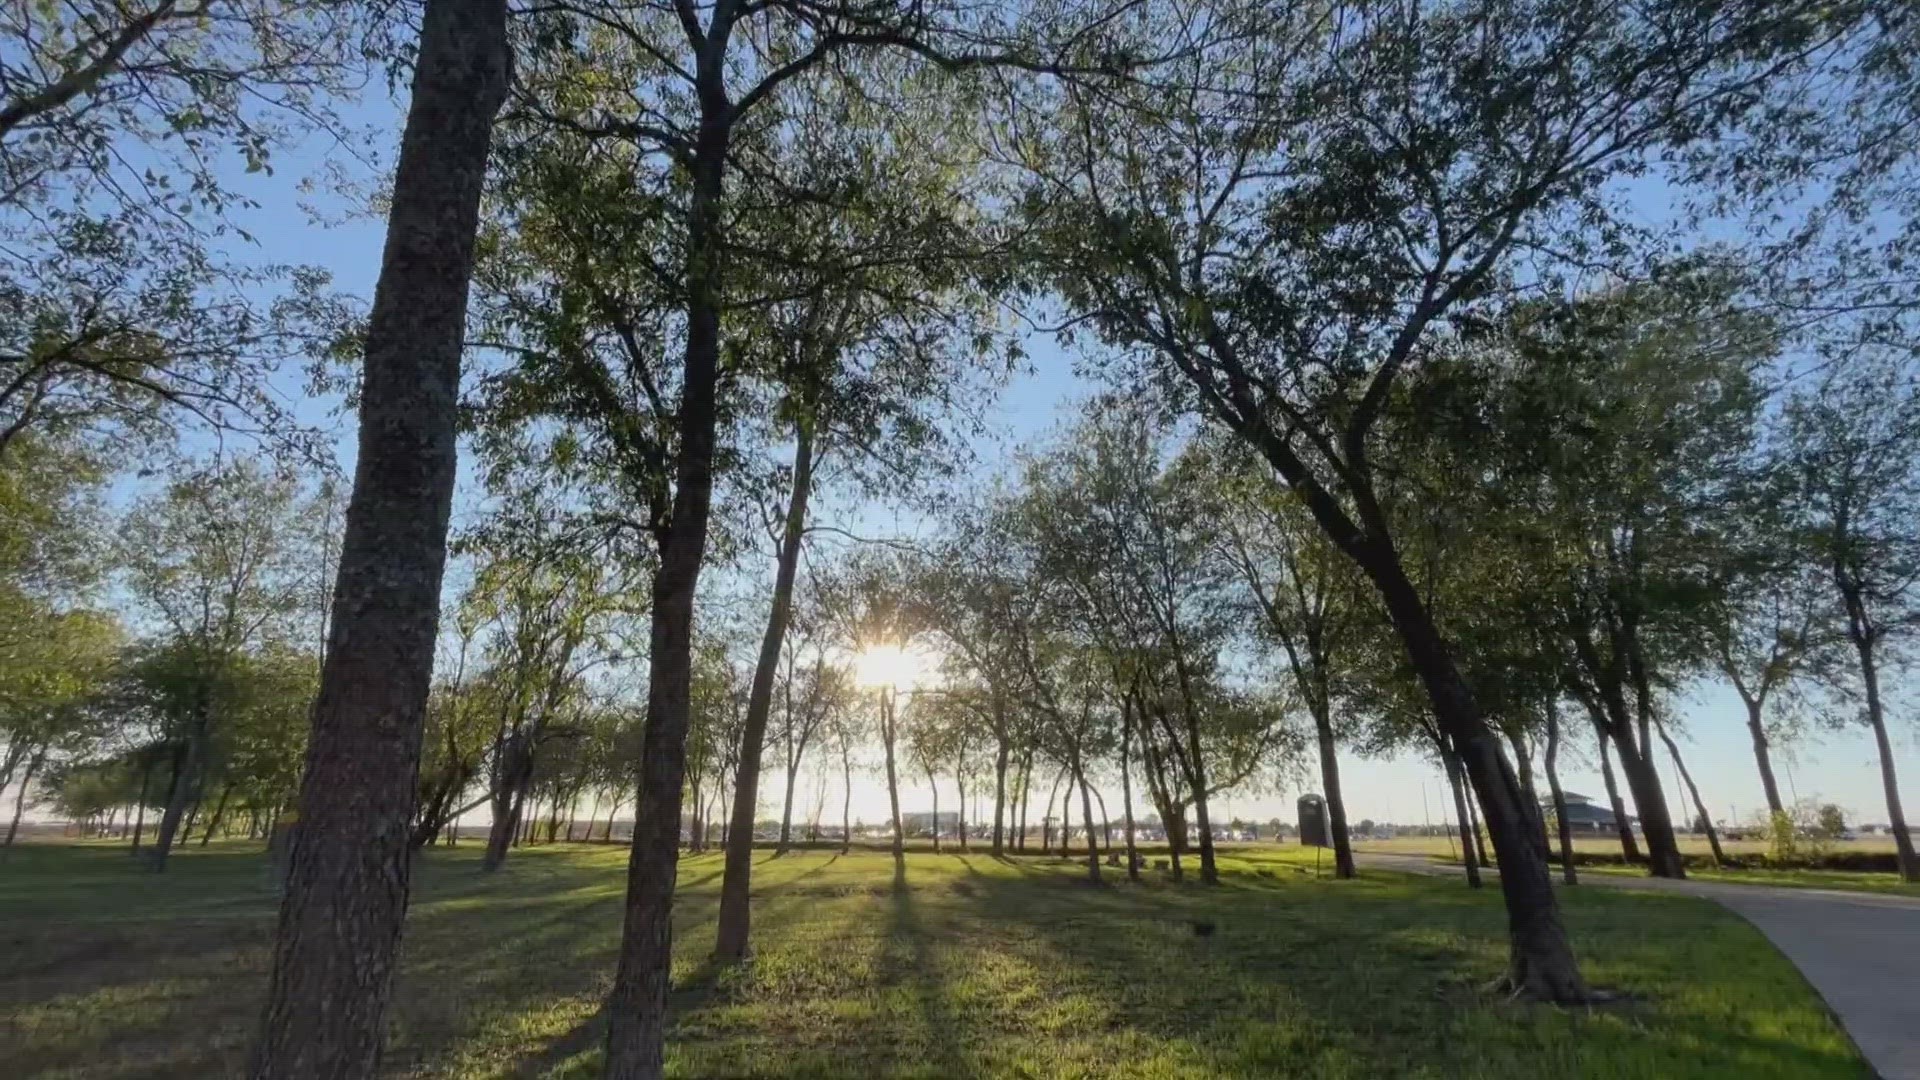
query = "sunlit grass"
x=962 y=966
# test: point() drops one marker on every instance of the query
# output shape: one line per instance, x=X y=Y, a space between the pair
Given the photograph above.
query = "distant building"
x=1585 y=815
x=922 y=824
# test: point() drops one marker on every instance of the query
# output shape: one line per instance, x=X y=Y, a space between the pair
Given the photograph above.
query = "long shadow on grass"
x=943 y=1037
x=1266 y=976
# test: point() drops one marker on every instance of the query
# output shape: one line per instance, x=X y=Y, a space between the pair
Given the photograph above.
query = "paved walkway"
x=1861 y=951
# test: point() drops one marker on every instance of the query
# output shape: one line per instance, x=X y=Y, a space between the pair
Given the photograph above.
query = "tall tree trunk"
x=1463 y=823
x=34 y=762
x=346 y=895
x=1656 y=822
x=140 y=808
x=1174 y=818
x=504 y=831
x=637 y=1007
x=1540 y=959
x=1026 y=795
x=1860 y=630
x=934 y=785
x=1699 y=805
x=786 y=809
x=219 y=811
x=1196 y=770
x=1126 y=788
x=1479 y=834
x=1629 y=849
x=10 y=761
x=1330 y=780
x=736 y=916
x=1663 y=845
x=1046 y=820
x=1763 y=755
x=1001 y=753
x=1559 y=796
x=846 y=804
x=1106 y=823
x=888 y=734
x=182 y=793
x=193 y=815
x=1523 y=758
x=960 y=793
x=1086 y=815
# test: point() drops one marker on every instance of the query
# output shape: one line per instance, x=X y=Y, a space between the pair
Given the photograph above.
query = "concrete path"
x=1861 y=951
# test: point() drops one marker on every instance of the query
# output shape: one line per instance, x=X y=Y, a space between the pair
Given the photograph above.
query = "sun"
x=891 y=665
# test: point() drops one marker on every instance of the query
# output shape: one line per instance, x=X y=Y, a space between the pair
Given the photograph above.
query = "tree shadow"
x=945 y=1038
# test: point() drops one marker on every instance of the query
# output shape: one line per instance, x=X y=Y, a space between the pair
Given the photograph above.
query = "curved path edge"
x=1861 y=951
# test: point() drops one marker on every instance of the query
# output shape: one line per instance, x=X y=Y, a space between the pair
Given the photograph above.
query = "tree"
x=811 y=695
x=1777 y=631
x=346 y=894
x=119 y=124
x=50 y=691
x=1854 y=443
x=1833 y=822
x=1306 y=601
x=692 y=104
x=1277 y=244
x=223 y=559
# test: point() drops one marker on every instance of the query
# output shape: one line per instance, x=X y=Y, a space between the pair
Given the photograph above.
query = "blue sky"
x=1837 y=766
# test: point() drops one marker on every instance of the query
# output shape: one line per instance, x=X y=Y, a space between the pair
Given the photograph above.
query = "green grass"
x=965 y=966
x=1785 y=878
x=1439 y=850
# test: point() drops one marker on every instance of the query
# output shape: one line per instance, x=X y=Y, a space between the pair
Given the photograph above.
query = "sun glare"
x=890 y=665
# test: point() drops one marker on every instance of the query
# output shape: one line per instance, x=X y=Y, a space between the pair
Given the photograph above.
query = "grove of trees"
x=1470 y=380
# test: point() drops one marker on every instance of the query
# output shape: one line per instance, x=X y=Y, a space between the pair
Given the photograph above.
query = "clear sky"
x=1840 y=767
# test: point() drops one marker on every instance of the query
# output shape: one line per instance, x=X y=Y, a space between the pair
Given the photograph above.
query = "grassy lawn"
x=966 y=966
x=1784 y=877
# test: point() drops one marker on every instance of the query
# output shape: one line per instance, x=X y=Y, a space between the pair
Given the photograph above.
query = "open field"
x=1785 y=877
x=965 y=966
x=1610 y=845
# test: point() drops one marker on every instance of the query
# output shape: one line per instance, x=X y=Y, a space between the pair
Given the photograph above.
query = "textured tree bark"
x=140 y=808
x=1000 y=757
x=1126 y=786
x=1649 y=793
x=181 y=792
x=1559 y=796
x=1046 y=819
x=1026 y=795
x=1196 y=769
x=1524 y=760
x=934 y=785
x=219 y=811
x=1086 y=815
x=1629 y=849
x=1330 y=780
x=736 y=915
x=846 y=804
x=1860 y=629
x=637 y=1007
x=1541 y=963
x=888 y=731
x=786 y=809
x=960 y=794
x=1656 y=822
x=20 y=798
x=1463 y=824
x=1693 y=790
x=1763 y=756
x=346 y=895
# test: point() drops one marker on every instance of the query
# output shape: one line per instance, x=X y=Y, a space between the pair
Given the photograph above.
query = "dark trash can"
x=1314 y=831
